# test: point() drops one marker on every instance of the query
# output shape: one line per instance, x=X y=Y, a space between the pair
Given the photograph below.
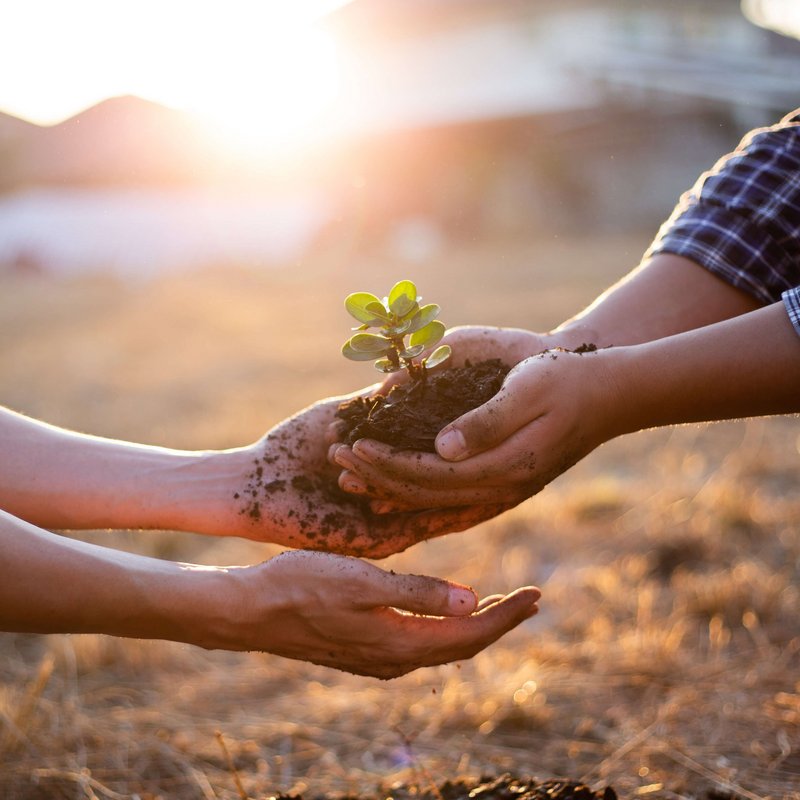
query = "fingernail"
x=342 y=458
x=362 y=451
x=451 y=445
x=352 y=484
x=461 y=600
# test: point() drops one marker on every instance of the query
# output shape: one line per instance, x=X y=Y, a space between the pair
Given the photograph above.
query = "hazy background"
x=188 y=193
x=398 y=127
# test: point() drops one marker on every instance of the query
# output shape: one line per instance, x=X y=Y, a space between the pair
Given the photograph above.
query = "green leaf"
x=402 y=298
x=425 y=315
x=356 y=355
x=429 y=335
x=438 y=356
x=370 y=343
x=357 y=306
x=378 y=309
x=384 y=365
x=412 y=352
x=399 y=329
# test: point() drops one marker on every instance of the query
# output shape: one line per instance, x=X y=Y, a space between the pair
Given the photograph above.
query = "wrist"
x=208 y=608
x=643 y=390
x=231 y=608
x=613 y=388
x=573 y=335
x=197 y=491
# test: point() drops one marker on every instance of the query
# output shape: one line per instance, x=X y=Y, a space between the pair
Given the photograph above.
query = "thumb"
x=488 y=425
x=421 y=594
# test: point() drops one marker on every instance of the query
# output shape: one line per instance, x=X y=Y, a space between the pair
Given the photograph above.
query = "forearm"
x=60 y=479
x=52 y=584
x=743 y=367
x=666 y=295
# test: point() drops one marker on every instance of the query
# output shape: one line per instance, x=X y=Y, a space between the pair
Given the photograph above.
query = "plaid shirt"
x=741 y=220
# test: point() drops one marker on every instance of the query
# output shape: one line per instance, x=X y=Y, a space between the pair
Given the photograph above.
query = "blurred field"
x=665 y=657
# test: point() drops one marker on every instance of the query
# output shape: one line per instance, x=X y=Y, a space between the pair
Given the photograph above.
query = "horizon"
x=272 y=69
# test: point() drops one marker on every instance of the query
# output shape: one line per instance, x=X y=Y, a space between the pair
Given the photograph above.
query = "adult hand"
x=552 y=410
x=345 y=613
x=476 y=343
x=284 y=490
x=320 y=607
x=471 y=343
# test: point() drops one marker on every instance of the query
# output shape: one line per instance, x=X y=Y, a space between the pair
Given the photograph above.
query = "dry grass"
x=664 y=660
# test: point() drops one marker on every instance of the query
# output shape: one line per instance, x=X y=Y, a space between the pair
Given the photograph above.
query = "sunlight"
x=260 y=72
x=270 y=101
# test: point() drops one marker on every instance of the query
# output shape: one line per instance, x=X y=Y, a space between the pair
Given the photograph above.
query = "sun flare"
x=261 y=73
x=272 y=100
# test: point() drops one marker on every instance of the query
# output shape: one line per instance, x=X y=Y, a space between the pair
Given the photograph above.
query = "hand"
x=283 y=490
x=344 y=613
x=476 y=343
x=552 y=410
x=471 y=343
x=317 y=607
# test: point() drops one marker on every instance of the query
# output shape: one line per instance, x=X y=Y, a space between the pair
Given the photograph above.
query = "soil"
x=412 y=414
x=506 y=787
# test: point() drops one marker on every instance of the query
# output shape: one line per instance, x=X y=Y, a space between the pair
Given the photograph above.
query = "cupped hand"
x=552 y=410
x=351 y=615
x=284 y=490
x=473 y=343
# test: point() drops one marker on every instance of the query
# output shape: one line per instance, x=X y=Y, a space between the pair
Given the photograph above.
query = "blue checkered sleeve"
x=791 y=299
x=741 y=220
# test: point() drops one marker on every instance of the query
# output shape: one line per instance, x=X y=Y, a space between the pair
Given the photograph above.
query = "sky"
x=249 y=64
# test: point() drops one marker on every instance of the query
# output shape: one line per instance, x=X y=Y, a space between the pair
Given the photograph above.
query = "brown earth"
x=665 y=658
x=506 y=787
x=412 y=414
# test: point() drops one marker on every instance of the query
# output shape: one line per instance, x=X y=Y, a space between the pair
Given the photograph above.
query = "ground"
x=664 y=661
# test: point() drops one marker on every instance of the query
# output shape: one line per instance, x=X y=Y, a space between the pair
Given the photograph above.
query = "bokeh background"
x=188 y=193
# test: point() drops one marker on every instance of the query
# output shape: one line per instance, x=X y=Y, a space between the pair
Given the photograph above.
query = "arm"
x=730 y=247
x=57 y=478
x=280 y=489
x=666 y=294
x=556 y=407
x=318 y=607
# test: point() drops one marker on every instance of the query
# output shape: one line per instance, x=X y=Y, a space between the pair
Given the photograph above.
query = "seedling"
x=397 y=316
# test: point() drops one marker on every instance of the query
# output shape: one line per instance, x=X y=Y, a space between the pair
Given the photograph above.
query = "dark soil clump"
x=412 y=414
x=505 y=787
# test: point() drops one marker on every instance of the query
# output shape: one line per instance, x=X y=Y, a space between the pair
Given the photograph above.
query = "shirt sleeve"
x=791 y=299
x=741 y=220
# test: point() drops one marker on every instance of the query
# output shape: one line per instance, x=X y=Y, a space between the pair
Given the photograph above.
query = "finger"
x=490 y=424
x=393 y=497
x=421 y=469
x=421 y=594
x=402 y=494
x=332 y=453
x=352 y=483
x=420 y=489
x=489 y=600
x=460 y=638
x=527 y=461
